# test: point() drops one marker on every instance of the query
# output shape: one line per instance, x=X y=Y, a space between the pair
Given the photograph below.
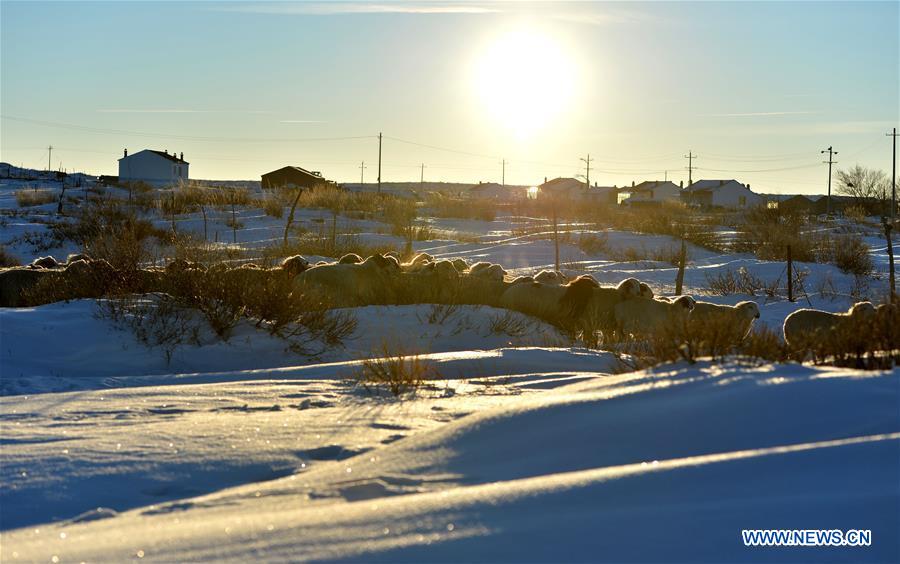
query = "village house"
x=721 y=194
x=153 y=167
x=495 y=191
x=652 y=192
x=292 y=176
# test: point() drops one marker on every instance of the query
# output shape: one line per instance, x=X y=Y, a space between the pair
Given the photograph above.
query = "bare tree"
x=869 y=187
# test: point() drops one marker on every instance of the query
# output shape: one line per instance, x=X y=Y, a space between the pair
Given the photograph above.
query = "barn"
x=292 y=176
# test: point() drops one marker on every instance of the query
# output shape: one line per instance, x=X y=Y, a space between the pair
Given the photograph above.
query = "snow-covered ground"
x=519 y=447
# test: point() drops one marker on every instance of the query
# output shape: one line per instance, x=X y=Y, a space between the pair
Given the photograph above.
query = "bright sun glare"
x=524 y=80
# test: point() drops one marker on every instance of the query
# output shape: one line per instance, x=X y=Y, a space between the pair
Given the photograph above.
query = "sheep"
x=417 y=262
x=652 y=317
x=44 y=262
x=350 y=258
x=488 y=270
x=435 y=282
x=737 y=319
x=294 y=265
x=522 y=280
x=579 y=300
x=646 y=291
x=17 y=282
x=551 y=277
x=460 y=264
x=344 y=285
x=78 y=256
x=804 y=325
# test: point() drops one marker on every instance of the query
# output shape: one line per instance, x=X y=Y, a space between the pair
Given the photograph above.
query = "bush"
x=593 y=243
x=398 y=372
x=28 y=197
x=851 y=255
x=443 y=206
x=273 y=207
x=728 y=282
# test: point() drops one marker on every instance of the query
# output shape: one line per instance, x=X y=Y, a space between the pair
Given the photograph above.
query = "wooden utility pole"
x=362 y=172
x=49 y=153
x=790 y=275
x=587 y=175
x=503 y=172
x=379 y=162
x=682 y=259
x=831 y=153
x=893 y=175
x=690 y=157
x=422 y=174
x=890 y=250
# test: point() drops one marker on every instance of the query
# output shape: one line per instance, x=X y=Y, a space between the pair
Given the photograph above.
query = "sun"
x=524 y=80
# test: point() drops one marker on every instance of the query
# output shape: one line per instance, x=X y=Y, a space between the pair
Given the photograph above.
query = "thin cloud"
x=175 y=111
x=603 y=17
x=301 y=121
x=760 y=114
x=340 y=8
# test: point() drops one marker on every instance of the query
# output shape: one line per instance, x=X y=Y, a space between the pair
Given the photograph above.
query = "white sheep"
x=551 y=277
x=294 y=265
x=487 y=270
x=460 y=264
x=370 y=282
x=350 y=258
x=651 y=317
x=804 y=325
x=738 y=318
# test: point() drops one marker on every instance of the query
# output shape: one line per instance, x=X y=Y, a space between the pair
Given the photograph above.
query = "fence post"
x=556 y=235
x=233 y=223
x=790 y=275
x=682 y=259
x=890 y=250
x=173 y=212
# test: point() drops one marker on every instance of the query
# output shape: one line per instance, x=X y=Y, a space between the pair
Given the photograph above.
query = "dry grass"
x=7 y=259
x=398 y=372
x=463 y=208
x=34 y=197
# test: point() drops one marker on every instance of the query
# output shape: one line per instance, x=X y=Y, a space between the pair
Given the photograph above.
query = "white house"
x=722 y=194
x=653 y=192
x=153 y=167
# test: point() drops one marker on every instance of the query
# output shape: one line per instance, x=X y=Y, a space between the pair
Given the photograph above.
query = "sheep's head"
x=294 y=265
x=685 y=302
x=748 y=309
x=629 y=288
x=862 y=310
x=460 y=264
x=350 y=258
x=646 y=291
x=444 y=269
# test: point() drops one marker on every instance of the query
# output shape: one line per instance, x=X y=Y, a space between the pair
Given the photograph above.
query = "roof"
x=653 y=184
x=295 y=169
x=487 y=186
x=711 y=185
x=560 y=184
x=162 y=154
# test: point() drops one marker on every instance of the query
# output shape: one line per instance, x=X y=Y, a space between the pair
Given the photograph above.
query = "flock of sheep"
x=630 y=308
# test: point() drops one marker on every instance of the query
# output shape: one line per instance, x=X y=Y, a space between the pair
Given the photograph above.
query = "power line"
x=99 y=130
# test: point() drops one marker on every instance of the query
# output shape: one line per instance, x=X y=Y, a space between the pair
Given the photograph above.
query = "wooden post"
x=556 y=235
x=233 y=223
x=682 y=259
x=205 y=231
x=290 y=218
x=890 y=250
x=790 y=275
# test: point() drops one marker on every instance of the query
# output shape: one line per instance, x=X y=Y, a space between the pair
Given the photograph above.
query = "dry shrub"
x=190 y=197
x=320 y=244
x=34 y=197
x=399 y=372
x=512 y=325
x=440 y=205
x=851 y=255
x=593 y=243
x=273 y=207
x=728 y=282
x=329 y=196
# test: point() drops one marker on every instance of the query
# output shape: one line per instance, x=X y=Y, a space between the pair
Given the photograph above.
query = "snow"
x=666 y=464
x=519 y=447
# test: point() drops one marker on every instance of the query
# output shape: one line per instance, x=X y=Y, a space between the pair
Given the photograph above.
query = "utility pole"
x=893 y=174
x=831 y=153
x=503 y=172
x=379 y=162
x=587 y=175
x=362 y=172
x=690 y=157
x=49 y=152
x=422 y=174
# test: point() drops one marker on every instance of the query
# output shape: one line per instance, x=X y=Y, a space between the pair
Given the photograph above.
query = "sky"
x=755 y=89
